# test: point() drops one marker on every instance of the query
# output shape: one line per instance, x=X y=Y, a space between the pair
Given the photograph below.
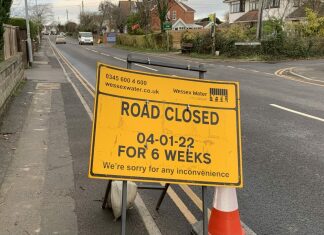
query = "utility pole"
x=214 y=34
x=38 y=22
x=259 y=24
x=67 y=15
x=82 y=7
x=29 y=43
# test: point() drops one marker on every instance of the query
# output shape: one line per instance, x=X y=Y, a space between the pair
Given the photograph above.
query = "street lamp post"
x=29 y=43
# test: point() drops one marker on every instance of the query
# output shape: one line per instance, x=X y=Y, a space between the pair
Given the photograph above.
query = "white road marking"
x=87 y=48
x=256 y=71
x=182 y=207
x=94 y=51
x=301 y=76
x=230 y=66
x=104 y=54
x=117 y=58
x=78 y=75
x=148 y=220
x=270 y=74
x=299 y=113
x=241 y=69
x=143 y=211
x=143 y=66
x=84 y=103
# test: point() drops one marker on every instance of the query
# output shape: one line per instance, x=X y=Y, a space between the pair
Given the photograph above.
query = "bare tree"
x=163 y=7
x=276 y=9
x=89 y=21
x=144 y=10
x=120 y=18
x=106 y=9
x=42 y=13
x=70 y=27
x=226 y=17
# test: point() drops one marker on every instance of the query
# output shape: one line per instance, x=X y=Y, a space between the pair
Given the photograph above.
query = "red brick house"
x=178 y=12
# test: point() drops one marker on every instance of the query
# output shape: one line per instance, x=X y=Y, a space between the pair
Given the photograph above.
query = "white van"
x=85 y=38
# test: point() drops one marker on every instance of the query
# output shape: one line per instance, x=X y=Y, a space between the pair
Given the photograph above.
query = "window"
x=242 y=6
x=296 y=3
x=237 y=6
x=167 y=17
x=272 y=4
x=254 y=5
x=174 y=15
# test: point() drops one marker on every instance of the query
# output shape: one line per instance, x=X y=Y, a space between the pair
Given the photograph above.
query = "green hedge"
x=21 y=23
x=274 y=46
x=156 y=41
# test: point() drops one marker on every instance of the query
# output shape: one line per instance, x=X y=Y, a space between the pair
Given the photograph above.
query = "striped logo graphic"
x=218 y=95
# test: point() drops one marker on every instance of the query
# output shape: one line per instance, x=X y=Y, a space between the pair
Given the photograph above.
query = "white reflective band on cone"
x=225 y=199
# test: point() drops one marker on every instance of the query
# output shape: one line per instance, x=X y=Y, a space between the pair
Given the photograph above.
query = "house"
x=299 y=14
x=206 y=23
x=246 y=11
x=180 y=15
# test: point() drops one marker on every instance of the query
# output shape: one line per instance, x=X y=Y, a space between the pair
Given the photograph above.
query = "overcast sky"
x=202 y=7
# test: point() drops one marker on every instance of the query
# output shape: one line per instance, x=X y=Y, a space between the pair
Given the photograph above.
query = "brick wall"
x=186 y=16
x=11 y=73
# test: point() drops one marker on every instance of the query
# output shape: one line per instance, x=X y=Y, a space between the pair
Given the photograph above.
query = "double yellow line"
x=172 y=194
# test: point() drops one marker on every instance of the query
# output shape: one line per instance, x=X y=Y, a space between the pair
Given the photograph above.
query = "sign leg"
x=205 y=210
x=124 y=207
x=162 y=197
x=106 y=195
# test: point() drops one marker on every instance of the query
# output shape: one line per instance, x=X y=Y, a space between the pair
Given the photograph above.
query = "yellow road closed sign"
x=159 y=128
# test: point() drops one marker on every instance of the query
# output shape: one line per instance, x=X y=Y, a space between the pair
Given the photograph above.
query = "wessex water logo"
x=218 y=94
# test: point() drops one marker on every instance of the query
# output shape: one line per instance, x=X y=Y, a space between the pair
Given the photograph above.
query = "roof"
x=185 y=7
x=194 y=26
x=181 y=4
x=301 y=13
x=251 y=16
x=178 y=23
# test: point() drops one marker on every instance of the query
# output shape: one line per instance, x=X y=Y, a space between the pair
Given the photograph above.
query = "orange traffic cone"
x=225 y=217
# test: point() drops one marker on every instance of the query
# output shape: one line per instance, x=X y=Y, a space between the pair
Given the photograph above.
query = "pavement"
x=314 y=71
x=45 y=138
x=37 y=184
x=38 y=187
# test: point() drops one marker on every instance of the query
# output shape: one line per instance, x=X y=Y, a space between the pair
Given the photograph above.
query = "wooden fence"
x=10 y=37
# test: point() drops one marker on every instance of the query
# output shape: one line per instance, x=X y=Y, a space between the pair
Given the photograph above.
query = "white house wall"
x=235 y=16
x=286 y=7
x=267 y=13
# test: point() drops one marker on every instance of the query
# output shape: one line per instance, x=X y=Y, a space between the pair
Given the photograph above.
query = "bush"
x=21 y=23
x=156 y=41
x=188 y=37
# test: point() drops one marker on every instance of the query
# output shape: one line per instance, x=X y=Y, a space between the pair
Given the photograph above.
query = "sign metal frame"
x=201 y=69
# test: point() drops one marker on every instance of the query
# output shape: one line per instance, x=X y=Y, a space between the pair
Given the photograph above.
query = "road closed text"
x=166 y=136
x=170 y=113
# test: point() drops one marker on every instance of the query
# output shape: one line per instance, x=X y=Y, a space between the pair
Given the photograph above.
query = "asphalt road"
x=282 y=134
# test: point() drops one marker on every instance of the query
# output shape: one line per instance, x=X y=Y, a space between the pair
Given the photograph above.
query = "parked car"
x=60 y=39
x=85 y=38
